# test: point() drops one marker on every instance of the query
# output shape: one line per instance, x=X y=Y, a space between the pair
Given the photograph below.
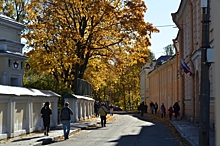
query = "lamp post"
x=205 y=84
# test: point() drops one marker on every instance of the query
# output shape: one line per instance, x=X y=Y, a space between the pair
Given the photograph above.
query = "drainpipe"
x=181 y=80
x=191 y=63
x=177 y=58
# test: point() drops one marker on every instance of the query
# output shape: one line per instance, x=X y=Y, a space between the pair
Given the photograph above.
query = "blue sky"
x=159 y=13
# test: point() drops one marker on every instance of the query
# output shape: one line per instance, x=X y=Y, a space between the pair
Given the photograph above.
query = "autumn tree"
x=14 y=9
x=169 y=49
x=66 y=35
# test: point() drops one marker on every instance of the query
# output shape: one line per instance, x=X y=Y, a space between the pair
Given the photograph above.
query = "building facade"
x=163 y=82
x=11 y=52
x=188 y=19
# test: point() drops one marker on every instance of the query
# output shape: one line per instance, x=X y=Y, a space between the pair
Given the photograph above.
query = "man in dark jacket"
x=65 y=116
x=142 y=108
x=96 y=108
x=176 y=109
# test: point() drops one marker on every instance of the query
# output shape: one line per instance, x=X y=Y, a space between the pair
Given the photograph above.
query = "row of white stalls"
x=83 y=107
x=20 y=109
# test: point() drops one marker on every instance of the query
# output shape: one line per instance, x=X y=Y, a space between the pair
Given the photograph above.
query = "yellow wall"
x=163 y=84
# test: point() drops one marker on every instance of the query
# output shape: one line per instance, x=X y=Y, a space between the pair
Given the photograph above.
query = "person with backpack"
x=65 y=116
x=103 y=112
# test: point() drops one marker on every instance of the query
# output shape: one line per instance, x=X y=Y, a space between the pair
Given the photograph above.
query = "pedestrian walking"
x=146 y=108
x=45 y=114
x=142 y=108
x=103 y=113
x=152 y=107
x=156 y=107
x=170 y=112
x=96 y=108
x=65 y=116
x=176 y=109
x=163 y=110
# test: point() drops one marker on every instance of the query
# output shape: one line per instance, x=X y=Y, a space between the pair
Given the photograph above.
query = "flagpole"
x=205 y=83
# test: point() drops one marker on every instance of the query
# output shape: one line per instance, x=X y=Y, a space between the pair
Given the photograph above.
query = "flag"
x=186 y=68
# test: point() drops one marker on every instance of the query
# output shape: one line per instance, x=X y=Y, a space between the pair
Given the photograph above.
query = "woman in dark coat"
x=46 y=112
x=142 y=108
x=176 y=109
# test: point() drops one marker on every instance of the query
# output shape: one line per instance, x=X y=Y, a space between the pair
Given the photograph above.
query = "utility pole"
x=204 y=84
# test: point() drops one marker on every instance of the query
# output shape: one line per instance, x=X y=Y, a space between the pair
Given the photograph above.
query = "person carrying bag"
x=103 y=112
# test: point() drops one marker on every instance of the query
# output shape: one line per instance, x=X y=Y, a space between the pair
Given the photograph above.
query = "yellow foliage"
x=73 y=37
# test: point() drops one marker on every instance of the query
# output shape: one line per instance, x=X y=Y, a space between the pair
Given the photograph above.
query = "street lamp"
x=28 y=66
x=16 y=65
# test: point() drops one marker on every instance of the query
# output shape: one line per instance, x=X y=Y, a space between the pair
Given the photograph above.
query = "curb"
x=190 y=142
x=57 y=138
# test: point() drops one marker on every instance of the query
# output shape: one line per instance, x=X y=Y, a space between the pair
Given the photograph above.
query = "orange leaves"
x=85 y=36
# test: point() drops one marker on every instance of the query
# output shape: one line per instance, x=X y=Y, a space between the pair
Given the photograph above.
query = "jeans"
x=103 y=120
x=66 y=127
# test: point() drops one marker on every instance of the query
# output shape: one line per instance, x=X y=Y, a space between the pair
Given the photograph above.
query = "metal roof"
x=21 y=91
x=77 y=97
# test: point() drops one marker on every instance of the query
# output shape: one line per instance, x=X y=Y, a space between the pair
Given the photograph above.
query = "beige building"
x=163 y=82
x=188 y=19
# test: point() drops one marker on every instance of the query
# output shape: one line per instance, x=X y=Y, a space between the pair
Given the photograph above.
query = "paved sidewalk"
x=190 y=132
x=186 y=129
x=55 y=134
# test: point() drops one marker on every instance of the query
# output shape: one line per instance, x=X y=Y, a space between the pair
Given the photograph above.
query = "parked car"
x=116 y=108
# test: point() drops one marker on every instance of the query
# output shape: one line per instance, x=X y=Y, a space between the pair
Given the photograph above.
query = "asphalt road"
x=125 y=130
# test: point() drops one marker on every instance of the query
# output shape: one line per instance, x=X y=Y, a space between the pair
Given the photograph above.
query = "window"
x=15 y=80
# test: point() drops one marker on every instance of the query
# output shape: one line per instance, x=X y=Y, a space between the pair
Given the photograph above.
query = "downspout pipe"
x=181 y=98
x=177 y=58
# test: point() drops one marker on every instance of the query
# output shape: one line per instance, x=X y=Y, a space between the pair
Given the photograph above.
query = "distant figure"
x=146 y=107
x=142 y=108
x=111 y=109
x=176 y=109
x=152 y=107
x=103 y=112
x=96 y=108
x=170 y=111
x=46 y=112
x=156 y=107
x=65 y=116
x=163 y=110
